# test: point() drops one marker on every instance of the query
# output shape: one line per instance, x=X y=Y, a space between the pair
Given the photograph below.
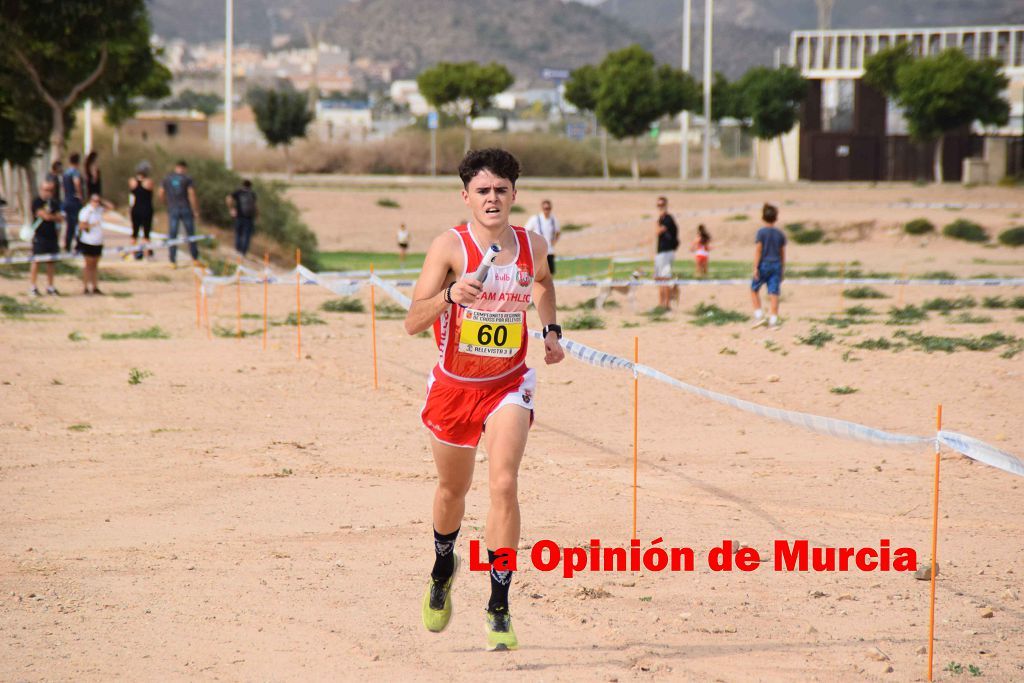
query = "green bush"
x=388 y=203
x=1014 y=237
x=812 y=236
x=710 y=314
x=943 y=305
x=155 y=332
x=800 y=234
x=343 y=305
x=279 y=218
x=963 y=229
x=585 y=321
x=908 y=315
x=817 y=338
x=919 y=226
x=863 y=292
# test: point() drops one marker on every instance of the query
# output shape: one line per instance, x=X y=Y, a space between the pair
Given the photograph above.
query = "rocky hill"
x=528 y=35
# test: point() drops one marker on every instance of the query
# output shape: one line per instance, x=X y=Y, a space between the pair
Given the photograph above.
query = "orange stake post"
x=842 y=276
x=199 y=306
x=266 y=272
x=636 y=413
x=298 y=305
x=238 y=300
x=206 y=314
x=373 y=327
x=935 y=538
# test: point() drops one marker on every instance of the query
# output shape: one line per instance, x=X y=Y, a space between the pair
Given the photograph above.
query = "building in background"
x=341 y=120
x=849 y=131
x=244 y=129
x=166 y=126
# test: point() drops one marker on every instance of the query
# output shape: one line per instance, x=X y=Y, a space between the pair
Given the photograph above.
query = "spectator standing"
x=242 y=205
x=667 y=237
x=769 y=266
x=90 y=242
x=56 y=176
x=403 y=244
x=701 y=249
x=179 y=192
x=546 y=225
x=74 y=193
x=141 y=201
x=3 y=227
x=93 y=177
x=46 y=236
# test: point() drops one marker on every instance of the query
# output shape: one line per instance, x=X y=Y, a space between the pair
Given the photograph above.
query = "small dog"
x=629 y=290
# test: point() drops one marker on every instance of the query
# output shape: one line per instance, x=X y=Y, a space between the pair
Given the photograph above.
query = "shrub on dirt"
x=919 y=226
x=963 y=229
x=1014 y=237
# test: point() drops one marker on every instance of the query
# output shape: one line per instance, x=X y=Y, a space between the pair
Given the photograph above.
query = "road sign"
x=575 y=131
x=554 y=74
x=432 y=120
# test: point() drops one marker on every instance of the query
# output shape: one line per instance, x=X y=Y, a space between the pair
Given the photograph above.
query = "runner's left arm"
x=544 y=299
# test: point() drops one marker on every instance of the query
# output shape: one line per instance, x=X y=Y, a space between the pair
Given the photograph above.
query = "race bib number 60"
x=486 y=333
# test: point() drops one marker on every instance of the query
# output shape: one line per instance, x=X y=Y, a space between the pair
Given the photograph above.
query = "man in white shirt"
x=546 y=225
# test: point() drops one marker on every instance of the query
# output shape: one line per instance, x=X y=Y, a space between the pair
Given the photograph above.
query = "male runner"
x=481 y=379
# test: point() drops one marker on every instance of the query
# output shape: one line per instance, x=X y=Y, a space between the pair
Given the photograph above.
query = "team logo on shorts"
x=524 y=278
x=527 y=395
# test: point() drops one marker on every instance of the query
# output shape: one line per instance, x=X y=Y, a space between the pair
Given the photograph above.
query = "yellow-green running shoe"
x=500 y=635
x=437 y=602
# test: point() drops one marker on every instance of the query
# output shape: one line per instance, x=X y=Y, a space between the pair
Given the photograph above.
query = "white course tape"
x=982 y=452
x=107 y=251
x=969 y=446
x=976 y=282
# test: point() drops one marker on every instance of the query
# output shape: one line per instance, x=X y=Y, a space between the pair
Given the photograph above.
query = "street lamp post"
x=229 y=13
x=709 y=10
x=684 y=124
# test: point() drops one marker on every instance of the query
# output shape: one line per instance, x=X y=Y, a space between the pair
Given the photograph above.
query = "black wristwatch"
x=557 y=329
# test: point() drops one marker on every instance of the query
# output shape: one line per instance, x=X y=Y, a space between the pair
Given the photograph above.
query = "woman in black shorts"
x=90 y=242
x=141 y=187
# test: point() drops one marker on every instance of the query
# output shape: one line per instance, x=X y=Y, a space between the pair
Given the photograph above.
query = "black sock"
x=444 y=554
x=501 y=581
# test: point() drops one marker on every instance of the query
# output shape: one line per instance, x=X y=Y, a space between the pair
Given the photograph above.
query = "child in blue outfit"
x=769 y=266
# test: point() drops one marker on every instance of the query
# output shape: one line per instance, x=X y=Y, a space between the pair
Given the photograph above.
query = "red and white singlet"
x=484 y=345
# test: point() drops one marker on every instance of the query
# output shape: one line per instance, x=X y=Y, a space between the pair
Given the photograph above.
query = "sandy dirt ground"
x=866 y=220
x=243 y=515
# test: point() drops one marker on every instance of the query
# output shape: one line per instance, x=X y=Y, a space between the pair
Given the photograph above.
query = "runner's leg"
x=454 y=476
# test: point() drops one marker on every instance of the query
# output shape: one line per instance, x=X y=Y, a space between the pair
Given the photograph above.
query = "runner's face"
x=490 y=198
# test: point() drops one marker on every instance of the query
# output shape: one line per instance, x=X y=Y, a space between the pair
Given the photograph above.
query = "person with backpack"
x=667 y=243
x=242 y=205
x=179 y=192
x=74 y=199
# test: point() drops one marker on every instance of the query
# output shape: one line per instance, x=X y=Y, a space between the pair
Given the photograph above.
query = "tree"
x=727 y=102
x=581 y=92
x=772 y=97
x=940 y=93
x=281 y=115
x=448 y=84
x=70 y=51
x=207 y=103
x=880 y=68
x=633 y=94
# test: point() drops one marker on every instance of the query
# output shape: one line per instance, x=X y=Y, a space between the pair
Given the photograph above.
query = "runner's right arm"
x=428 y=297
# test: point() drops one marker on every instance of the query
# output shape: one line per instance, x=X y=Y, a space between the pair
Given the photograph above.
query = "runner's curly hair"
x=497 y=161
